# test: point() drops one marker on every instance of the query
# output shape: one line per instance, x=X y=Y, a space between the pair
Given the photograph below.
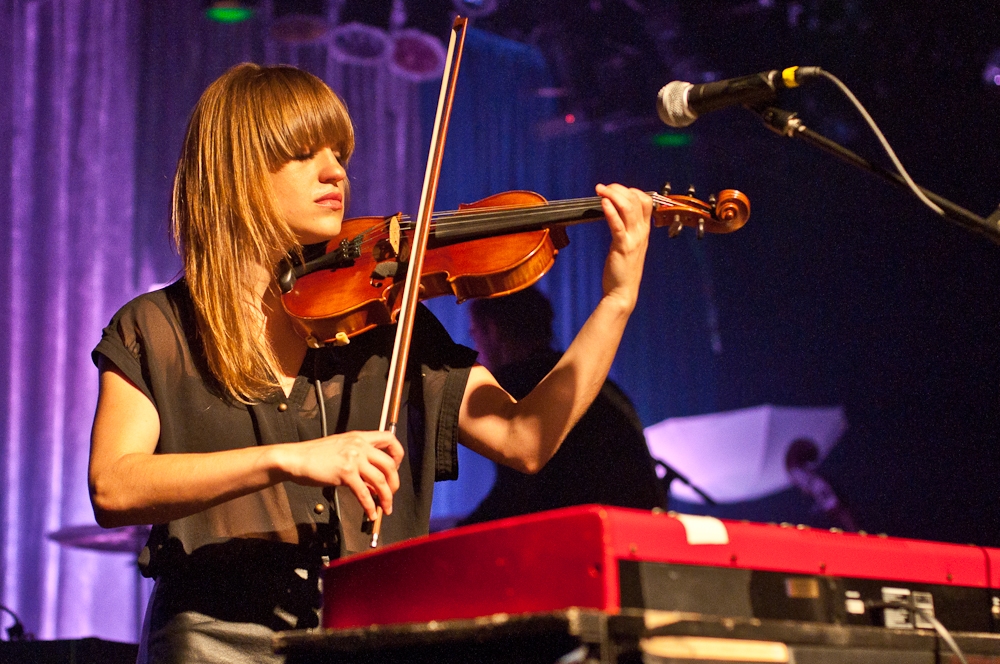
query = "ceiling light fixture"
x=299 y=21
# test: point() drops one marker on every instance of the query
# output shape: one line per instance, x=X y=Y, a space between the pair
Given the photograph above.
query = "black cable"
x=16 y=631
x=885 y=144
x=670 y=474
x=322 y=407
x=325 y=431
x=789 y=124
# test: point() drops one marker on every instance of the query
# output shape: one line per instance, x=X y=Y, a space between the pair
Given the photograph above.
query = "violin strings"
x=484 y=218
x=495 y=216
x=461 y=216
x=487 y=219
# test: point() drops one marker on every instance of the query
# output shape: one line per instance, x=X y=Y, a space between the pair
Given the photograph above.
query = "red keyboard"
x=612 y=558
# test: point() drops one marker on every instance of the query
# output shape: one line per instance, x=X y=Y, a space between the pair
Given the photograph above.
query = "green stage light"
x=669 y=139
x=229 y=12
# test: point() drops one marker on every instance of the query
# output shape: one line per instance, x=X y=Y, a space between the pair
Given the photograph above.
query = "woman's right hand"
x=364 y=461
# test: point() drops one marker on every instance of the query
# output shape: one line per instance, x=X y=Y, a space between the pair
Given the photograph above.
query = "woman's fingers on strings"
x=609 y=205
x=624 y=207
x=645 y=202
x=628 y=211
x=615 y=221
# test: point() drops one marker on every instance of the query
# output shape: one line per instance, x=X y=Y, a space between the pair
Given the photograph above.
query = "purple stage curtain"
x=95 y=99
x=68 y=116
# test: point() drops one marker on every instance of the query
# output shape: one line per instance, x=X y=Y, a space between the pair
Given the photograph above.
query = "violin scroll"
x=732 y=210
x=725 y=212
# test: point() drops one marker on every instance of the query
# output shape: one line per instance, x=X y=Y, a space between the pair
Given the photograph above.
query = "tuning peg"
x=676 y=226
x=691 y=190
x=666 y=189
x=701 y=228
x=711 y=200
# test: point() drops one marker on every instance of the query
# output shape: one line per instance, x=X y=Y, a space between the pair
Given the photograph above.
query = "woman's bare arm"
x=525 y=434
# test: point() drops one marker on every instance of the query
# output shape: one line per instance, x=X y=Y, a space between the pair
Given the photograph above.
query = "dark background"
x=841 y=289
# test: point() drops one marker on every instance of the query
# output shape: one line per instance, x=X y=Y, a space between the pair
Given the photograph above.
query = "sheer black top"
x=153 y=340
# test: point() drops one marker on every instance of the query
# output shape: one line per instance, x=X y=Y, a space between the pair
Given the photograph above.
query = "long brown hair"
x=248 y=123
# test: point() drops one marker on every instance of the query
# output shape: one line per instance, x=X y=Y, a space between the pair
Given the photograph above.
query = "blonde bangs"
x=298 y=114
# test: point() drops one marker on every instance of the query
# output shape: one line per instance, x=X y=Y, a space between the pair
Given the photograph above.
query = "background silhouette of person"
x=604 y=459
x=802 y=464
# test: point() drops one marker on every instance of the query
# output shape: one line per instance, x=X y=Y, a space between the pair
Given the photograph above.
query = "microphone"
x=680 y=103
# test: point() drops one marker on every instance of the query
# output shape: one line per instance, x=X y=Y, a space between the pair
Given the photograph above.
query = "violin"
x=492 y=247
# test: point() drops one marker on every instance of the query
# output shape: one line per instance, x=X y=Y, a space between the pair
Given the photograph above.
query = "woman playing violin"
x=211 y=414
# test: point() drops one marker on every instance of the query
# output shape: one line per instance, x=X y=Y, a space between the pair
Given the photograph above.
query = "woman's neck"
x=289 y=348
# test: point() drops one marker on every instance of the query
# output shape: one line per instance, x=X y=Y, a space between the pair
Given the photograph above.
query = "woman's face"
x=309 y=192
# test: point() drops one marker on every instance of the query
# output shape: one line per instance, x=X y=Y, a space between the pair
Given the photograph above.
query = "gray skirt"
x=191 y=637
x=221 y=616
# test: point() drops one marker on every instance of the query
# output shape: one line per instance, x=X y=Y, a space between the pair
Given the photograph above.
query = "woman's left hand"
x=628 y=213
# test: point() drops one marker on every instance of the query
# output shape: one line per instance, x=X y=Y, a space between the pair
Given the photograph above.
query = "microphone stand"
x=787 y=123
x=669 y=475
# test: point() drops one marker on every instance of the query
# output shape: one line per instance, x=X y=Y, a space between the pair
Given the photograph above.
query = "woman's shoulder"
x=153 y=339
x=162 y=317
x=169 y=302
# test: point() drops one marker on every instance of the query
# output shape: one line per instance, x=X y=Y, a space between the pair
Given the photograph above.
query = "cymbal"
x=126 y=539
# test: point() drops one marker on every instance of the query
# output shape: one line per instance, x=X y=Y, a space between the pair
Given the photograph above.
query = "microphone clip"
x=781 y=122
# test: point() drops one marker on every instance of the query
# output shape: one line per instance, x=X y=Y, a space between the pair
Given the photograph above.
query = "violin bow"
x=411 y=288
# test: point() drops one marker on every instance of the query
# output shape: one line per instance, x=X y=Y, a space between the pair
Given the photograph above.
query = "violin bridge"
x=394 y=233
x=394 y=246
